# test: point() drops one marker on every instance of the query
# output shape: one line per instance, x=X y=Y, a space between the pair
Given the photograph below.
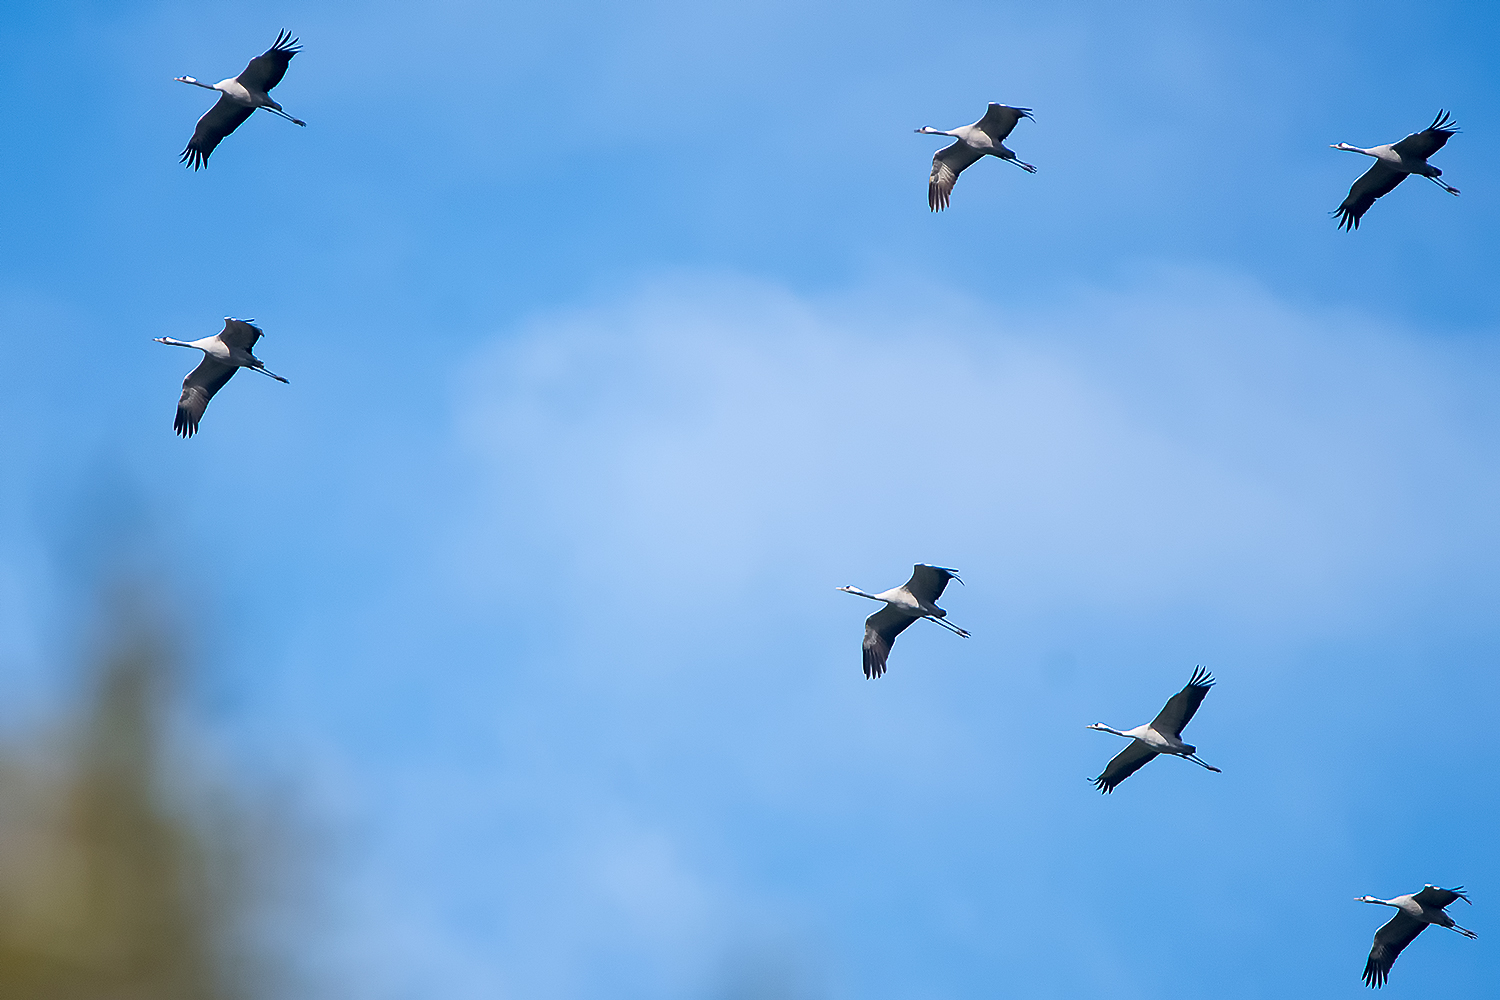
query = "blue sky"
x=620 y=335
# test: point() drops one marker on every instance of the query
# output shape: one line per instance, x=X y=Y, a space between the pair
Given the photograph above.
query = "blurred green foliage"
x=120 y=879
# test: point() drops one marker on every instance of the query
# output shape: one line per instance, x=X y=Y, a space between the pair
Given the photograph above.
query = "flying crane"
x=1161 y=735
x=984 y=138
x=223 y=354
x=914 y=599
x=1394 y=162
x=239 y=97
x=1413 y=915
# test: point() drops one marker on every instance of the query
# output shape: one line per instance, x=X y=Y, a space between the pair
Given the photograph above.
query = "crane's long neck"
x=1101 y=726
x=860 y=593
x=929 y=130
x=1355 y=149
x=174 y=343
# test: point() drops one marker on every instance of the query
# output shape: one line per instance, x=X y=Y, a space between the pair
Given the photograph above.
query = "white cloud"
x=1188 y=441
x=651 y=705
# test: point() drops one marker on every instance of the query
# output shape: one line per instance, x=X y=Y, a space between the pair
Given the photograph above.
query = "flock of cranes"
x=232 y=349
x=917 y=599
x=1394 y=162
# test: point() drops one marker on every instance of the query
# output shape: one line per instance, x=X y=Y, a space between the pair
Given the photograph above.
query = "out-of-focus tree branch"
x=113 y=882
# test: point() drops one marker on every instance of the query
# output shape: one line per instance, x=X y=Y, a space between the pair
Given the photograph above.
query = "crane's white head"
x=1367 y=899
x=1101 y=727
x=1346 y=147
x=851 y=589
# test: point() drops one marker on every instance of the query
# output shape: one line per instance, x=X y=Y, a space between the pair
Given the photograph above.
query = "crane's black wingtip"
x=286 y=43
x=948 y=574
x=1443 y=123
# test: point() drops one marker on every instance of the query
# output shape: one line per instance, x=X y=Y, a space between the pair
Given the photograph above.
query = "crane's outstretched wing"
x=1440 y=898
x=1125 y=763
x=1373 y=183
x=927 y=582
x=1000 y=119
x=266 y=70
x=1182 y=706
x=1428 y=141
x=197 y=389
x=881 y=630
x=224 y=117
x=1400 y=931
x=947 y=164
x=240 y=333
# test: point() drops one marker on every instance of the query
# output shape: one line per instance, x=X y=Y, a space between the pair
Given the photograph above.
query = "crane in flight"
x=1413 y=914
x=916 y=598
x=984 y=138
x=1394 y=162
x=239 y=97
x=1161 y=735
x=223 y=354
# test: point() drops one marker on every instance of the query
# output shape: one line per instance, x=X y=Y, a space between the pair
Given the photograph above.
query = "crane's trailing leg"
x=950 y=627
x=272 y=374
x=1446 y=187
x=294 y=121
x=1202 y=763
x=1023 y=165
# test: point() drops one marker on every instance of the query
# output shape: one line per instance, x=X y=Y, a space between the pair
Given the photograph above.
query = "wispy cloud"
x=662 y=490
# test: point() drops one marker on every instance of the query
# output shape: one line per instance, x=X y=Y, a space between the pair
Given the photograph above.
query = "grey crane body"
x=913 y=600
x=239 y=97
x=983 y=138
x=1414 y=913
x=1394 y=162
x=1162 y=735
x=223 y=354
